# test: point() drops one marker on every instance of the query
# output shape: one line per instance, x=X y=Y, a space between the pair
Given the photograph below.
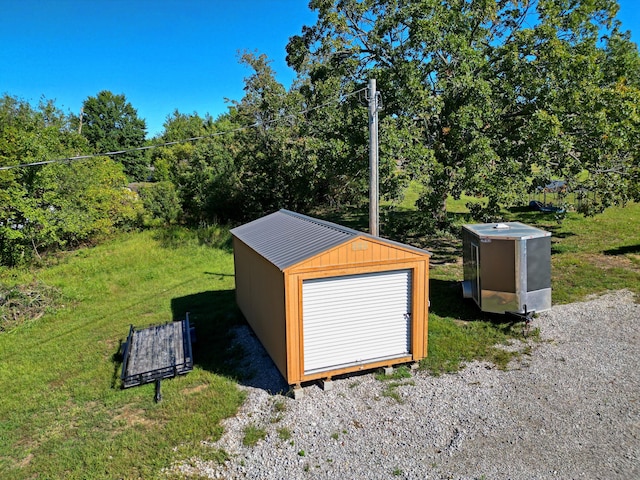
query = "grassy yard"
x=62 y=412
x=64 y=415
x=589 y=256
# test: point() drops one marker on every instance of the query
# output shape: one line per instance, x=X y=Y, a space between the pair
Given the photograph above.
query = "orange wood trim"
x=293 y=329
x=338 y=270
x=300 y=352
x=426 y=313
x=418 y=312
x=344 y=255
x=357 y=368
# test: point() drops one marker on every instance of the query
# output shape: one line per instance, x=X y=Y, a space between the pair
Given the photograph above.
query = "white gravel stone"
x=570 y=410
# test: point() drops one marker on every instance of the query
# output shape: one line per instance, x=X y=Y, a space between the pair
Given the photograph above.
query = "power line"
x=186 y=140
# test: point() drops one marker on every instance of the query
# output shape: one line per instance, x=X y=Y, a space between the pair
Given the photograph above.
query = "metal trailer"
x=507 y=268
x=155 y=353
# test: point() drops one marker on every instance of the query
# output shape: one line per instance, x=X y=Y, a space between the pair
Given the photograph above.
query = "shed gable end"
x=361 y=250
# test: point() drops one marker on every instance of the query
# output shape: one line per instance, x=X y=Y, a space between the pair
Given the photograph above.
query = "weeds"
x=398 y=373
x=252 y=435
x=25 y=303
x=391 y=390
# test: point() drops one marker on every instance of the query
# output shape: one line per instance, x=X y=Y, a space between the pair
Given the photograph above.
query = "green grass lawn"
x=62 y=411
x=590 y=255
x=64 y=415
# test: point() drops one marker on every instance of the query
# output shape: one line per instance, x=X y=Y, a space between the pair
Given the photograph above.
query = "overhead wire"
x=186 y=140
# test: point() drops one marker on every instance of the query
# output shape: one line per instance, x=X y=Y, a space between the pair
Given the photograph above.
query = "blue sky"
x=161 y=54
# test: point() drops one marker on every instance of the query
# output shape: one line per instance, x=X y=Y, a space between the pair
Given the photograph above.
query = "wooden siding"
x=261 y=298
x=419 y=264
x=271 y=297
x=357 y=252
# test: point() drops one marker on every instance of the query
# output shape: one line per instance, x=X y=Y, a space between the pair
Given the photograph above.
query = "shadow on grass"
x=225 y=344
x=447 y=302
x=213 y=314
x=629 y=249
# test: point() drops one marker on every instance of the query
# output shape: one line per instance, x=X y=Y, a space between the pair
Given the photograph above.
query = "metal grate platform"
x=156 y=353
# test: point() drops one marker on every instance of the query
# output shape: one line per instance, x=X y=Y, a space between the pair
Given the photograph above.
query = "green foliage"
x=204 y=173
x=84 y=200
x=300 y=149
x=63 y=412
x=398 y=373
x=111 y=124
x=58 y=204
x=284 y=434
x=500 y=97
x=252 y=435
x=161 y=203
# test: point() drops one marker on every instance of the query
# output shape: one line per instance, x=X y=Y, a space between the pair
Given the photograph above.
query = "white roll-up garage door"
x=355 y=319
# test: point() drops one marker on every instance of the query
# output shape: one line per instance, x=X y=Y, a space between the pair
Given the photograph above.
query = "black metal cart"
x=155 y=353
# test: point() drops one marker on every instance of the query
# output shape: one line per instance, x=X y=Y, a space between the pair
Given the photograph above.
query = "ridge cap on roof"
x=351 y=231
x=324 y=223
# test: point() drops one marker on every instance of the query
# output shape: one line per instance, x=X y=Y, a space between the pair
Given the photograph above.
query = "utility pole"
x=373 y=158
x=80 y=124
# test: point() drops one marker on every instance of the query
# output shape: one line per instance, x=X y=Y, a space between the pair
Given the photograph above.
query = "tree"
x=505 y=95
x=111 y=124
x=273 y=170
x=308 y=147
x=202 y=171
x=59 y=204
x=28 y=135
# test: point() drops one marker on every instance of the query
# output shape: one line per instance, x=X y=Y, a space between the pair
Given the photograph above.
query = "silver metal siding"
x=506 y=267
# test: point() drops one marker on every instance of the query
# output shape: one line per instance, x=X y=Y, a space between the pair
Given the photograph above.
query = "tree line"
x=487 y=99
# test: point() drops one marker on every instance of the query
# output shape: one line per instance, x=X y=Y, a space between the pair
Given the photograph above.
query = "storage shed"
x=326 y=300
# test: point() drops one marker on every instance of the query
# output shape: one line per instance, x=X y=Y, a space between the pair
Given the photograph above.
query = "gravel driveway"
x=569 y=410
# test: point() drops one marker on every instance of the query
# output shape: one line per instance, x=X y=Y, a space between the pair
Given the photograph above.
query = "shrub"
x=161 y=203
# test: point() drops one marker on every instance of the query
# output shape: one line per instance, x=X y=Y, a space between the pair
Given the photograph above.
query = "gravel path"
x=570 y=410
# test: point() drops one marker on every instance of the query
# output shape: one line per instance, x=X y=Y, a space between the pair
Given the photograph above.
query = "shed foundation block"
x=297 y=392
x=326 y=384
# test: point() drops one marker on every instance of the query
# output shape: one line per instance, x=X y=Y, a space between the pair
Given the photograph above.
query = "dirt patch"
x=132 y=416
x=193 y=390
x=25 y=461
x=616 y=261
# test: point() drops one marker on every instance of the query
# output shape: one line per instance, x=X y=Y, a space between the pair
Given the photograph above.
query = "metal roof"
x=286 y=238
x=507 y=231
